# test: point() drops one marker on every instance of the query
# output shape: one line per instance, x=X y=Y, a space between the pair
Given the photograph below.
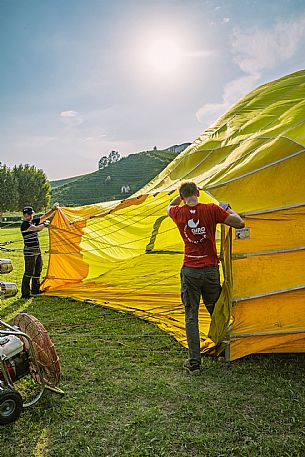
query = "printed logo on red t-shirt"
x=197 y=226
x=194 y=227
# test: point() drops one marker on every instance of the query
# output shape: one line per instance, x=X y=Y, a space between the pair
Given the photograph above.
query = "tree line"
x=23 y=185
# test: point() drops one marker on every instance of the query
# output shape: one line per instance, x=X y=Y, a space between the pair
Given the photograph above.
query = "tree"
x=104 y=161
x=114 y=156
x=33 y=187
x=8 y=190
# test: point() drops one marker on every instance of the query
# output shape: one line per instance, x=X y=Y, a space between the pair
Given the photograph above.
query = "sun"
x=157 y=55
x=163 y=56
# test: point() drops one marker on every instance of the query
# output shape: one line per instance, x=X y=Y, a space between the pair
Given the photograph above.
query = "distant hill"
x=62 y=182
x=117 y=181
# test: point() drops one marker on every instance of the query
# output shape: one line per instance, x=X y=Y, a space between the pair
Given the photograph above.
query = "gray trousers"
x=196 y=283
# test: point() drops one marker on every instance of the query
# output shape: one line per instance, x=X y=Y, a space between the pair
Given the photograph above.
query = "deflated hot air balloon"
x=127 y=255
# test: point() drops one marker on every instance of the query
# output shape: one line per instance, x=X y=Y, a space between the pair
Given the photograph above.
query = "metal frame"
x=7 y=378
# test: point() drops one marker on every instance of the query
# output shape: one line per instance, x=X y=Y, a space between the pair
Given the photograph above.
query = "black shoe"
x=37 y=293
x=192 y=368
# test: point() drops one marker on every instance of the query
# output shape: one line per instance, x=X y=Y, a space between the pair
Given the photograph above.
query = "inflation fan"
x=26 y=349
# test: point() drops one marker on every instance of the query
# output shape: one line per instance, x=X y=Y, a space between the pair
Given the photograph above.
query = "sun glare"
x=163 y=56
x=158 y=54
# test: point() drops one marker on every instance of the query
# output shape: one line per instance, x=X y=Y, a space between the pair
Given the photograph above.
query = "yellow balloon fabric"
x=127 y=255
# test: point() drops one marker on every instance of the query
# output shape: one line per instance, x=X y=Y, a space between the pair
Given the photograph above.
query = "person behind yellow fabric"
x=200 y=273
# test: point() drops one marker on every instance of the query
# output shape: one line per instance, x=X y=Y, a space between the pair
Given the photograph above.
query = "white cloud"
x=255 y=51
x=260 y=49
x=68 y=114
x=225 y=20
x=209 y=112
x=71 y=118
x=233 y=91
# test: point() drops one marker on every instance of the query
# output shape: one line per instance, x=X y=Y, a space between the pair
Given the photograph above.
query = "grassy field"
x=126 y=393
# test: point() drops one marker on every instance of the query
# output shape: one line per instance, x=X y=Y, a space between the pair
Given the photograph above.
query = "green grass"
x=62 y=182
x=126 y=394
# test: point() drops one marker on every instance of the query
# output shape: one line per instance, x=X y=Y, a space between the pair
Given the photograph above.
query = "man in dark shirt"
x=199 y=274
x=32 y=254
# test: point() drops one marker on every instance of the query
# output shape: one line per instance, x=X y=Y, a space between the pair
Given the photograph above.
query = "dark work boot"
x=192 y=368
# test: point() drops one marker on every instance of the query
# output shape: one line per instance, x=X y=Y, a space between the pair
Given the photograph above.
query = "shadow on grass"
x=126 y=394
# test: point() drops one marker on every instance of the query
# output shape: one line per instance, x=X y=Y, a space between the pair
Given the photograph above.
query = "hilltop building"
x=178 y=147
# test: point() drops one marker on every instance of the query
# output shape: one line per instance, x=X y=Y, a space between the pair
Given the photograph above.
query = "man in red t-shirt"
x=200 y=273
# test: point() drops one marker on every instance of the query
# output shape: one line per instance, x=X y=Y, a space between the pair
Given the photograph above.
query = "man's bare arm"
x=49 y=213
x=45 y=216
x=175 y=201
x=234 y=219
x=35 y=228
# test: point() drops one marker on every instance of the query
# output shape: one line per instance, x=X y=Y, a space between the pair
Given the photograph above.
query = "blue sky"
x=82 y=77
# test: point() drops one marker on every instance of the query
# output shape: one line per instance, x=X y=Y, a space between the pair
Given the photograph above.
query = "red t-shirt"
x=197 y=226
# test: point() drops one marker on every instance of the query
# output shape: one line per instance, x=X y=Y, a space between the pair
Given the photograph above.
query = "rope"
x=114 y=348
x=258 y=112
x=130 y=214
x=72 y=234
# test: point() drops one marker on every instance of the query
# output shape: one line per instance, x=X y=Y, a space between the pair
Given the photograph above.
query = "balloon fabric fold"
x=127 y=255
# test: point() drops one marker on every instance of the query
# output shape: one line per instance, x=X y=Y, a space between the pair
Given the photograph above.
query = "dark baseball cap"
x=28 y=210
